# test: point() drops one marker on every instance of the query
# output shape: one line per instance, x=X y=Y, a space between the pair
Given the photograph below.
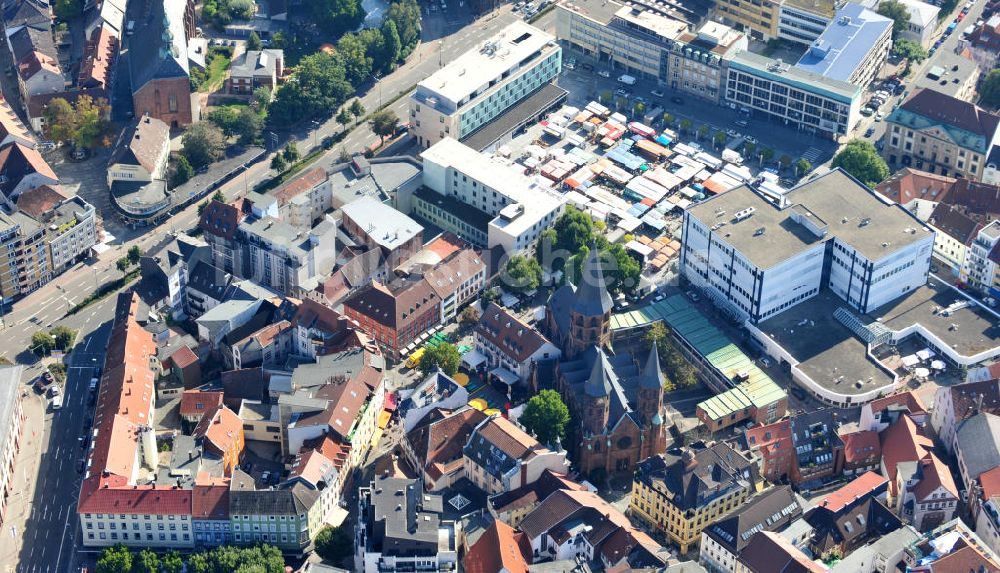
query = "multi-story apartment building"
x=803 y=21
x=377 y=225
x=941 y=134
x=401 y=528
x=280 y=256
x=981 y=267
x=219 y=223
x=457 y=280
x=923 y=22
x=955 y=404
x=511 y=209
x=500 y=457
x=650 y=41
x=955 y=231
x=287 y=518
x=394 y=315
x=682 y=492
x=507 y=342
x=481 y=84
x=852 y=48
x=760 y=259
x=12 y=416
x=24 y=258
x=723 y=541
x=793 y=96
x=798 y=449
x=70 y=233
x=757 y=18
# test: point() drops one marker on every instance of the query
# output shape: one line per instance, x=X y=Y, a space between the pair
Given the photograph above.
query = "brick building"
x=161 y=80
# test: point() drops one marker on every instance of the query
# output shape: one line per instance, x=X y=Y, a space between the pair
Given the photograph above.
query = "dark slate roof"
x=34 y=13
x=160 y=55
x=952 y=220
x=401 y=518
x=697 y=475
x=206 y=278
x=592 y=297
x=771 y=510
x=30 y=39
x=860 y=521
x=978 y=438
x=953 y=111
x=285 y=501
x=618 y=376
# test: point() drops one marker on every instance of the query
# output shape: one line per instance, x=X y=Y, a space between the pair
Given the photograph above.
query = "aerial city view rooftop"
x=554 y=286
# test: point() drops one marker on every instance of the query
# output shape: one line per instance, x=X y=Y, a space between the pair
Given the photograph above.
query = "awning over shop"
x=505 y=376
x=473 y=358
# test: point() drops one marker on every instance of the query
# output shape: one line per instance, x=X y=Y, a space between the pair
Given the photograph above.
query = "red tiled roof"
x=183 y=357
x=508 y=438
x=304 y=182
x=153 y=500
x=222 y=428
x=199 y=403
x=10 y=123
x=98 y=58
x=333 y=449
x=989 y=481
x=908 y=184
x=965 y=560
x=446 y=244
x=911 y=401
x=37 y=202
x=935 y=474
x=221 y=219
x=861 y=486
x=499 y=548
x=312 y=466
x=861 y=447
x=902 y=442
x=210 y=502
x=439 y=444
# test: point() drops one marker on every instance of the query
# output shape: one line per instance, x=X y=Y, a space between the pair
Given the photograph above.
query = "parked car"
x=657 y=93
x=870 y=132
x=588 y=67
x=622 y=92
x=53 y=391
x=604 y=73
x=750 y=139
x=879 y=116
x=743 y=123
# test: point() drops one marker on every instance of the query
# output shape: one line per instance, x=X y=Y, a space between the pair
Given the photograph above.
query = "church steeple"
x=652 y=376
x=597 y=384
x=592 y=297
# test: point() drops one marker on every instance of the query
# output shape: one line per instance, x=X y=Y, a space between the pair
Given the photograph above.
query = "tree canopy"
x=523 y=274
x=335 y=544
x=909 y=50
x=546 y=416
x=204 y=144
x=336 y=16
x=319 y=85
x=444 y=355
x=569 y=242
x=84 y=124
x=861 y=159
x=990 y=90
x=898 y=13
x=384 y=123
x=676 y=368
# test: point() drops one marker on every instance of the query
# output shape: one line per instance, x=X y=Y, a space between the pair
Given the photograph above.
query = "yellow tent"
x=383 y=419
x=462 y=379
x=478 y=403
x=491 y=411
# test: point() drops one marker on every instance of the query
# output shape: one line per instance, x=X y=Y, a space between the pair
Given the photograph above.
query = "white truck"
x=57 y=402
x=626 y=79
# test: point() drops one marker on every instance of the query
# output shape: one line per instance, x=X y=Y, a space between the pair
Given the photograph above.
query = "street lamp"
x=315 y=124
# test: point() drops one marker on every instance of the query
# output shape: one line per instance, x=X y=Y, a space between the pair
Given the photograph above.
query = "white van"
x=626 y=79
x=57 y=402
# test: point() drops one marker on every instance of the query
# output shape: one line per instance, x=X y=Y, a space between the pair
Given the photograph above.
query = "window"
x=172 y=103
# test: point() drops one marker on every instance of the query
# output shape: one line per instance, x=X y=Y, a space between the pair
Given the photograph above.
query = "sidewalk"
x=25 y=471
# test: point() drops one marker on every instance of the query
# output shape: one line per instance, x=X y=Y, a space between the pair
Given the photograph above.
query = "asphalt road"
x=41 y=526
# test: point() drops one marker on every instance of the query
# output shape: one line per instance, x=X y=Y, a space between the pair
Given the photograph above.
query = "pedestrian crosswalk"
x=812 y=154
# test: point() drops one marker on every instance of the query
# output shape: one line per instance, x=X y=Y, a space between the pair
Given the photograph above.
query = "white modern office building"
x=803 y=21
x=482 y=83
x=831 y=232
x=514 y=208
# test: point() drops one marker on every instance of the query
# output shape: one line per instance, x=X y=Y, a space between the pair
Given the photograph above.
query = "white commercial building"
x=803 y=21
x=980 y=267
x=482 y=83
x=829 y=232
x=518 y=208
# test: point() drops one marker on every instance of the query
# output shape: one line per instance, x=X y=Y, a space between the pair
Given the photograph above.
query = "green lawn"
x=216 y=71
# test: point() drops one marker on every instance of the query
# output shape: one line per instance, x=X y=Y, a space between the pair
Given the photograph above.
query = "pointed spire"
x=652 y=376
x=592 y=297
x=598 y=384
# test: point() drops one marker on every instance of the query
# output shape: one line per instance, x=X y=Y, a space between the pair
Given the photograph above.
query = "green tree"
x=638 y=109
x=802 y=166
x=344 y=118
x=909 y=50
x=60 y=122
x=335 y=16
x=199 y=563
x=546 y=416
x=92 y=125
x=134 y=254
x=357 y=63
x=357 y=110
x=393 y=45
x=278 y=163
x=523 y=274
x=621 y=102
x=335 y=544
x=766 y=155
x=291 y=153
x=489 y=295
x=686 y=125
x=172 y=562
x=122 y=264
x=749 y=147
x=183 y=172
x=861 y=160
x=64 y=337
x=226 y=118
x=624 y=275
x=67 y=9
x=676 y=368
x=898 y=13
x=250 y=125
x=253 y=42
x=405 y=14
x=319 y=84
x=668 y=119
x=703 y=131
x=384 y=124
x=343 y=156
x=989 y=92
x=444 y=355
x=115 y=559
x=203 y=143
x=719 y=139
x=261 y=97
x=219 y=196
x=785 y=161
x=468 y=316
x=146 y=561
x=42 y=343
x=606 y=97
